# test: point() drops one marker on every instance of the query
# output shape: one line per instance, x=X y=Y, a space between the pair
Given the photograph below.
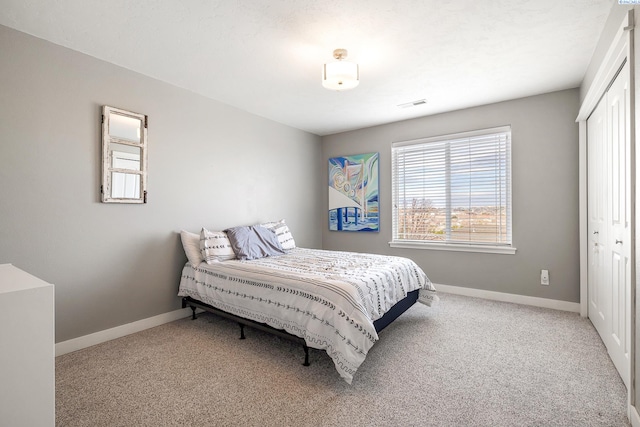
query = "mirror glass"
x=123 y=127
x=125 y=156
x=125 y=185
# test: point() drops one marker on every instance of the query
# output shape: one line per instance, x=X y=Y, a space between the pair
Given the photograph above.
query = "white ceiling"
x=266 y=56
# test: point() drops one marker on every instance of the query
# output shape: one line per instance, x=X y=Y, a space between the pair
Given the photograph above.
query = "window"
x=453 y=192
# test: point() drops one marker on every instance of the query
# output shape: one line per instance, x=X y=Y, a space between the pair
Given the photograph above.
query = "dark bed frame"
x=391 y=315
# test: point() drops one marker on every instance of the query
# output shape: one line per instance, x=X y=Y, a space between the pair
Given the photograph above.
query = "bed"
x=328 y=300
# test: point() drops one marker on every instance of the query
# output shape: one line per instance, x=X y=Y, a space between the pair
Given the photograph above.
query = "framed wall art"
x=353 y=193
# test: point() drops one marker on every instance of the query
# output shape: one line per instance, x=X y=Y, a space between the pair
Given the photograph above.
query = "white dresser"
x=27 y=350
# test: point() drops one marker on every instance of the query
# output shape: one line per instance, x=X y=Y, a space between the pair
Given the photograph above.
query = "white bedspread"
x=329 y=298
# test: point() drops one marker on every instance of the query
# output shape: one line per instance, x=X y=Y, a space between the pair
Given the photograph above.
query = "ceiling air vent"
x=413 y=103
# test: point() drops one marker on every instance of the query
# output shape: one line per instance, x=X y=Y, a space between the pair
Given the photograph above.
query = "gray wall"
x=209 y=165
x=545 y=196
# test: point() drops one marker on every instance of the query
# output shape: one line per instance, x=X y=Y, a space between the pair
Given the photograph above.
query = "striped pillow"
x=215 y=246
x=283 y=233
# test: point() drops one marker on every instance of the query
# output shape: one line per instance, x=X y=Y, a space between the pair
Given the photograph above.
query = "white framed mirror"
x=124 y=156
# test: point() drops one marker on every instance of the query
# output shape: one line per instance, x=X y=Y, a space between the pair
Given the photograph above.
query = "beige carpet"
x=465 y=362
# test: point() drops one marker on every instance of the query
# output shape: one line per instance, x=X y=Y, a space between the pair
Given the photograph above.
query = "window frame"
x=109 y=142
x=497 y=248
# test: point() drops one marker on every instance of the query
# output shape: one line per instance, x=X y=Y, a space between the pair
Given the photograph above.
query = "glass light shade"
x=341 y=75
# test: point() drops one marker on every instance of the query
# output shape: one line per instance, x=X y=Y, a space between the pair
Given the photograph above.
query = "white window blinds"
x=454 y=189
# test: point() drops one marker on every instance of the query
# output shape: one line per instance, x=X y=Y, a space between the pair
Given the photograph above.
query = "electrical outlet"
x=544 y=277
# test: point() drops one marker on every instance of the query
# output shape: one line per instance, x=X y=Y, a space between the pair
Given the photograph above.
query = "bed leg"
x=241 y=331
x=193 y=313
x=306 y=355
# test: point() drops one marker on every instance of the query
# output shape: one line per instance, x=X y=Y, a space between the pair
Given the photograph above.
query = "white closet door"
x=598 y=296
x=609 y=221
x=619 y=220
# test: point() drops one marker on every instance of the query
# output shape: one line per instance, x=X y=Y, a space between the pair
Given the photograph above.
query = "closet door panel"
x=618 y=219
x=598 y=295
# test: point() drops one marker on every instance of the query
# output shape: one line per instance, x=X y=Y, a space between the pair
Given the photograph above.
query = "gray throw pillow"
x=253 y=242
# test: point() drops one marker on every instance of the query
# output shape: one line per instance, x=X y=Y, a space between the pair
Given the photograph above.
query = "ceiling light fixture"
x=341 y=75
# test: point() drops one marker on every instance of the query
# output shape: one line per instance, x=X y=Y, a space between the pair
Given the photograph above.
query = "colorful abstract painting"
x=353 y=193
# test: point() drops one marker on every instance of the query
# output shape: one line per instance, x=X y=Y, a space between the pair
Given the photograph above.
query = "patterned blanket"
x=329 y=298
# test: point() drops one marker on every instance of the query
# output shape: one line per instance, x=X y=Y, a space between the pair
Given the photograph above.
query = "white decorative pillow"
x=282 y=232
x=215 y=246
x=191 y=246
x=270 y=224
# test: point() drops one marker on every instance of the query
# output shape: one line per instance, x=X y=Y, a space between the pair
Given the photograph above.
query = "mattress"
x=328 y=298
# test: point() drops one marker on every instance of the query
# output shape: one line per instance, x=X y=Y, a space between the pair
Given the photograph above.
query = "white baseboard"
x=85 y=341
x=634 y=418
x=517 y=299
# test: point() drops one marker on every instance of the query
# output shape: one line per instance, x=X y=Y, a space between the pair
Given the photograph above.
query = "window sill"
x=506 y=250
